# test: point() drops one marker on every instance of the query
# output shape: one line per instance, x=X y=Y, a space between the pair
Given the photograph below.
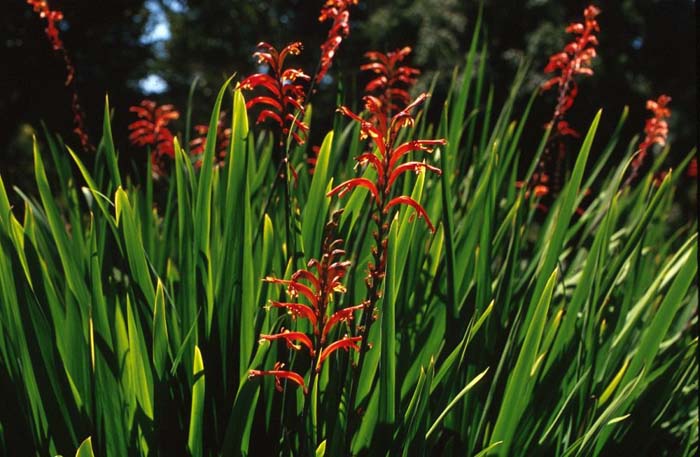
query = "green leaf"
x=85 y=449
x=194 y=439
x=160 y=332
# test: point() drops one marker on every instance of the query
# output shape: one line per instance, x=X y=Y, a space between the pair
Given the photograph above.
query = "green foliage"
x=506 y=332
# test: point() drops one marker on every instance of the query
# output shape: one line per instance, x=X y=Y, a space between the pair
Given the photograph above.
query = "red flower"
x=692 y=171
x=280 y=374
x=574 y=60
x=151 y=130
x=283 y=102
x=655 y=130
x=289 y=338
x=338 y=11
x=53 y=17
x=384 y=134
x=391 y=81
x=346 y=343
x=223 y=139
x=332 y=8
x=317 y=284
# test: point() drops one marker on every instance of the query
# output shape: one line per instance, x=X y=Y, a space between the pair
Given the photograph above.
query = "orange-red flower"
x=387 y=161
x=574 y=60
x=223 y=139
x=339 y=12
x=655 y=130
x=151 y=130
x=54 y=17
x=692 y=171
x=315 y=285
x=280 y=374
x=384 y=133
x=282 y=99
x=391 y=80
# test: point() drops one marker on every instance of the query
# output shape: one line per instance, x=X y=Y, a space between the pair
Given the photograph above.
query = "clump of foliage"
x=145 y=317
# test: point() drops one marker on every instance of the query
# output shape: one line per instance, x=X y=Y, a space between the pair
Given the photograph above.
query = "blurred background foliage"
x=133 y=49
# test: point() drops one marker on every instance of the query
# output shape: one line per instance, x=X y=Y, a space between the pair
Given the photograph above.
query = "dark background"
x=647 y=47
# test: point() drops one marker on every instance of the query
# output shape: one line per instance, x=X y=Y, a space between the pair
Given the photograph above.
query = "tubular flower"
x=54 y=17
x=317 y=284
x=151 y=130
x=280 y=374
x=339 y=12
x=574 y=60
x=391 y=80
x=223 y=139
x=655 y=130
x=384 y=132
x=692 y=171
x=283 y=99
x=387 y=164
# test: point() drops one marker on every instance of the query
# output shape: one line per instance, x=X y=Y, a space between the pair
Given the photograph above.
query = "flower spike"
x=151 y=130
x=283 y=98
x=339 y=12
x=324 y=276
x=655 y=130
x=53 y=18
x=391 y=79
x=575 y=59
x=223 y=140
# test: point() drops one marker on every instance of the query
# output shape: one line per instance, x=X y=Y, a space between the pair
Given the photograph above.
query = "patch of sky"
x=156 y=35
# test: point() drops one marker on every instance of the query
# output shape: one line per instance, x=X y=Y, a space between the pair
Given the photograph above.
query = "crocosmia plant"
x=343 y=256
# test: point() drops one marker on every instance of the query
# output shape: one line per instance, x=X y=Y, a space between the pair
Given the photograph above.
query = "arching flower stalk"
x=223 y=140
x=281 y=101
x=151 y=130
x=311 y=291
x=655 y=131
x=574 y=60
x=339 y=12
x=391 y=80
x=282 y=98
x=388 y=164
x=53 y=18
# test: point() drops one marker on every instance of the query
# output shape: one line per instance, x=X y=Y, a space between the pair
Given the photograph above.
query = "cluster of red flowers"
x=284 y=99
x=384 y=133
x=574 y=60
x=387 y=163
x=313 y=290
x=223 y=139
x=151 y=130
x=339 y=12
x=53 y=18
x=655 y=130
x=392 y=80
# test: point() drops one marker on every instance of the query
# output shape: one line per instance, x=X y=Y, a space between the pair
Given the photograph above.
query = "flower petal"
x=404 y=200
